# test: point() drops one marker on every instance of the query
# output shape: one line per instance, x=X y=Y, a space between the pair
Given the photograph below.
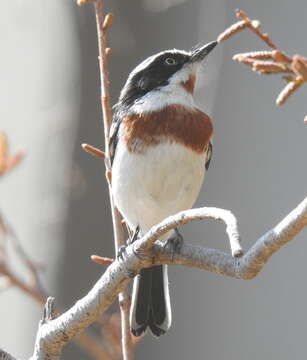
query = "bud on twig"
x=288 y=90
x=257 y=55
x=244 y=60
x=270 y=67
x=233 y=29
x=93 y=151
x=101 y=260
x=107 y=21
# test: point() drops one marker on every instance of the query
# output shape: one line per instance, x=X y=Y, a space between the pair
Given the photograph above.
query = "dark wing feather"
x=113 y=134
x=208 y=155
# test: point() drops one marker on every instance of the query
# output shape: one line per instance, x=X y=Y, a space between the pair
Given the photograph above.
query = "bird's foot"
x=175 y=243
x=134 y=235
x=121 y=253
x=121 y=257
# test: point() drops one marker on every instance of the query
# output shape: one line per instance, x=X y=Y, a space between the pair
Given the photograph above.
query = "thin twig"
x=93 y=151
x=103 y=24
x=31 y=266
x=254 y=26
x=90 y=345
x=271 y=67
x=35 y=290
x=231 y=30
x=111 y=330
x=279 y=61
x=101 y=260
x=127 y=344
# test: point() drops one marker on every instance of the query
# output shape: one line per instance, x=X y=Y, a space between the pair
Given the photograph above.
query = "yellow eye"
x=170 y=61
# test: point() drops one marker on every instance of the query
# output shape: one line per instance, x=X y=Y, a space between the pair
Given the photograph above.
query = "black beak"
x=200 y=53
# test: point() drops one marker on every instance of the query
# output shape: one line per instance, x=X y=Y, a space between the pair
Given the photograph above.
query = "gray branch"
x=53 y=334
x=5 y=356
x=249 y=265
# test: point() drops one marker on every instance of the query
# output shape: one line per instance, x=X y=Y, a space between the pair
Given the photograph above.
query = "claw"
x=175 y=243
x=121 y=254
x=134 y=235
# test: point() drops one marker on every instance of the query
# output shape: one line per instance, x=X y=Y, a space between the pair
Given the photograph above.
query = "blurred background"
x=56 y=200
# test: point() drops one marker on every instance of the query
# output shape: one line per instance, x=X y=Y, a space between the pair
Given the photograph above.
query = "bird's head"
x=165 y=72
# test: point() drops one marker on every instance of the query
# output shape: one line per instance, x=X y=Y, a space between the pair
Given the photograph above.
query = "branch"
x=34 y=288
x=269 y=62
x=7 y=162
x=249 y=265
x=93 y=151
x=5 y=356
x=145 y=252
x=187 y=216
x=103 y=24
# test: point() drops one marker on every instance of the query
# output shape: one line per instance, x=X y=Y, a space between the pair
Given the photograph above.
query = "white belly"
x=149 y=187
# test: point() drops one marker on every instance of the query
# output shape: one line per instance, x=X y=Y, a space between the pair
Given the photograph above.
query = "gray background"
x=57 y=199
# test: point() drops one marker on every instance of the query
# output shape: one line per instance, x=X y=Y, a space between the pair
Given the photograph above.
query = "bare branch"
x=34 y=288
x=127 y=345
x=49 y=309
x=280 y=62
x=6 y=356
x=249 y=265
x=103 y=25
x=187 y=216
x=144 y=253
x=254 y=26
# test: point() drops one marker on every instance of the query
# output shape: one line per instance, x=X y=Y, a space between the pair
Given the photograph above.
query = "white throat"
x=157 y=99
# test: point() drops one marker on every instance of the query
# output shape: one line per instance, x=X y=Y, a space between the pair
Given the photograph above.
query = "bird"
x=160 y=148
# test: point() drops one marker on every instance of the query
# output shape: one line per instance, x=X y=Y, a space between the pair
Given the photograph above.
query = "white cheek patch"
x=183 y=74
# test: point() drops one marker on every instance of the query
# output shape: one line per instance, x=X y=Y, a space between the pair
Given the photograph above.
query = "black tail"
x=150 y=302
